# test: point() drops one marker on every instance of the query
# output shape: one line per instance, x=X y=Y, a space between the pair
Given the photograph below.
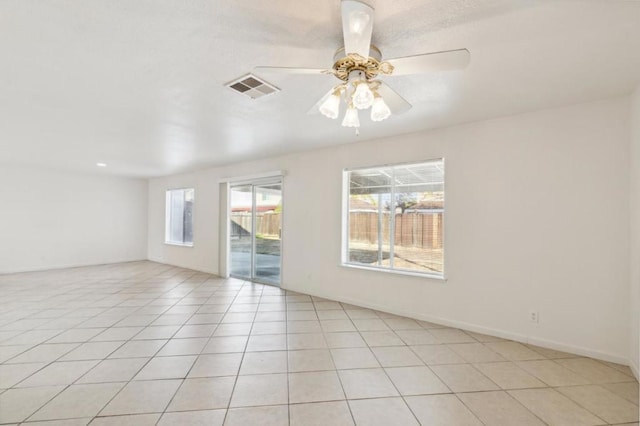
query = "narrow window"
x=394 y=218
x=179 y=217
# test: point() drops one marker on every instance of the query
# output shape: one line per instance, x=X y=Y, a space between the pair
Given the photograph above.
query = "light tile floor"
x=143 y=344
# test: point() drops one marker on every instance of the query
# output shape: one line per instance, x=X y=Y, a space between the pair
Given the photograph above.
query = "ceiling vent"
x=252 y=86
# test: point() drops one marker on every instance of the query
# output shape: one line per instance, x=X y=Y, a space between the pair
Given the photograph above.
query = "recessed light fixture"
x=101 y=164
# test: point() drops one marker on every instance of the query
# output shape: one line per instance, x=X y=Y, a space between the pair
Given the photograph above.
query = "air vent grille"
x=252 y=86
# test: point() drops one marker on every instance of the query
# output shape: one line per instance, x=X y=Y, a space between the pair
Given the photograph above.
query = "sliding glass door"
x=255 y=237
x=241 y=230
x=267 y=240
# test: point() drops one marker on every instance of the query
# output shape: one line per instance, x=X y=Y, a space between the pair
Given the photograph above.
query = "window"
x=179 y=217
x=394 y=218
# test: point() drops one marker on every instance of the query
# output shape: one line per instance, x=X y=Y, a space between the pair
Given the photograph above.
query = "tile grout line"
x=132 y=288
x=149 y=358
x=146 y=363
x=237 y=376
x=382 y=368
x=58 y=393
x=197 y=356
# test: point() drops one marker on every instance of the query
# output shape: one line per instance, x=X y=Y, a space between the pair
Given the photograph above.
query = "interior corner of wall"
x=635 y=368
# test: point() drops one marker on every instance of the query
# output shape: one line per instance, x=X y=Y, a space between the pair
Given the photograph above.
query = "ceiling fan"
x=359 y=64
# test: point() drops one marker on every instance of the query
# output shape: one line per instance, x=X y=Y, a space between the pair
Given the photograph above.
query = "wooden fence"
x=267 y=224
x=411 y=229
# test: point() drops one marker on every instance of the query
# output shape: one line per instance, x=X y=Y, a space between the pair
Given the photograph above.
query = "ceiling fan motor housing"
x=345 y=64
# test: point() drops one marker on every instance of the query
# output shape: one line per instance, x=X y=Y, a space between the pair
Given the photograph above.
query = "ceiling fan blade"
x=396 y=103
x=316 y=108
x=291 y=70
x=357 y=26
x=429 y=62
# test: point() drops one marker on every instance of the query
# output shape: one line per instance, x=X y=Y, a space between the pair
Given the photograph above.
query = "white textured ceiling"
x=138 y=84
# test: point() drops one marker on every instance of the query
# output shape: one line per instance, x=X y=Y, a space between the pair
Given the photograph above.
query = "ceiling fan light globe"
x=379 y=110
x=363 y=96
x=351 y=118
x=331 y=107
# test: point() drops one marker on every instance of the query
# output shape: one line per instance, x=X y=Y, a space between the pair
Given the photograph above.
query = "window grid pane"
x=369 y=219
x=187 y=219
x=180 y=216
x=395 y=217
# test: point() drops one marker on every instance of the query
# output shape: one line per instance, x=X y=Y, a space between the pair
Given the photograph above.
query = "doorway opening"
x=255 y=231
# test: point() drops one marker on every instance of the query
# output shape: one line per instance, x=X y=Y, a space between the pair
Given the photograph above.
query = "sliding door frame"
x=253 y=182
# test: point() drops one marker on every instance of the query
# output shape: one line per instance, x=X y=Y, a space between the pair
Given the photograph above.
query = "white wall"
x=537 y=218
x=51 y=219
x=635 y=231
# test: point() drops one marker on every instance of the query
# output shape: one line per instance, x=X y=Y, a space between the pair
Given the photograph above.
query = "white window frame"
x=169 y=218
x=344 y=258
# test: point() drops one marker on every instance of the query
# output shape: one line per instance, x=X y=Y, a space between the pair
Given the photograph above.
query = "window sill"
x=435 y=277
x=169 y=243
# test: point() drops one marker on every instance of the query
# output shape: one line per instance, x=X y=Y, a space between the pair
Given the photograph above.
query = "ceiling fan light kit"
x=331 y=106
x=379 y=110
x=361 y=95
x=359 y=88
x=351 y=118
x=359 y=64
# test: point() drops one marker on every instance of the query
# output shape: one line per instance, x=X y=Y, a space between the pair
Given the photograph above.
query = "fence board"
x=411 y=229
x=266 y=223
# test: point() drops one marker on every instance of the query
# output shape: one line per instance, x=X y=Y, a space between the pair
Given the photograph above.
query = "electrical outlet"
x=533 y=316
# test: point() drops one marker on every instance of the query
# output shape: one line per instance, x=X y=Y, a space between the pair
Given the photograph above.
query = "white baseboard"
x=206 y=271
x=578 y=350
x=68 y=265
